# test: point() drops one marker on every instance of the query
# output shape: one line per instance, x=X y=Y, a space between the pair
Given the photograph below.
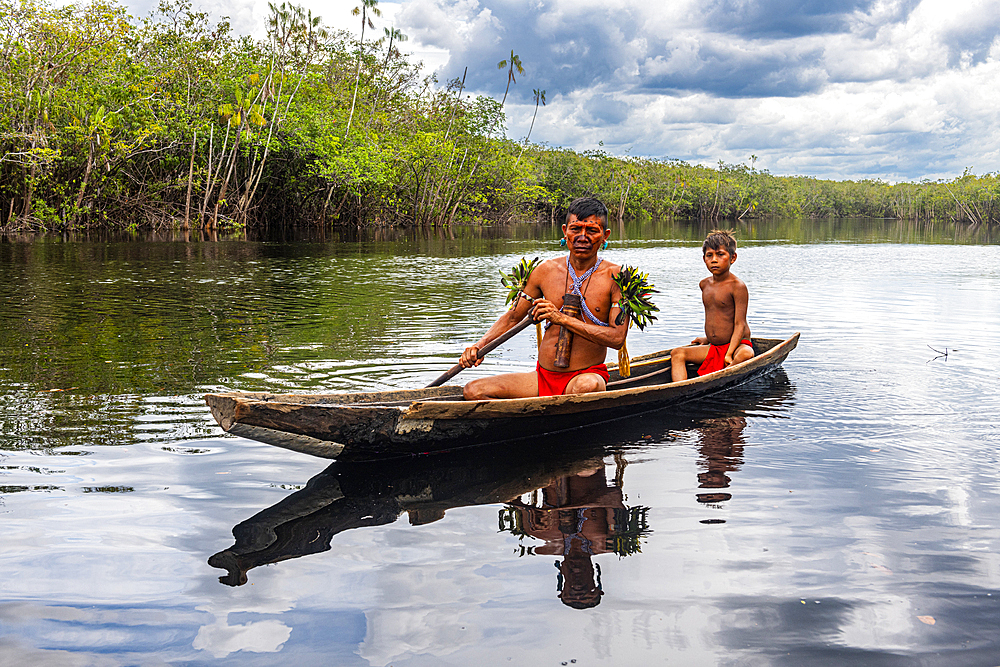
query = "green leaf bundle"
x=634 y=302
x=517 y=279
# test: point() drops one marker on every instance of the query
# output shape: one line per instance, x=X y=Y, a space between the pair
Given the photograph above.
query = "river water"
x=845 y=510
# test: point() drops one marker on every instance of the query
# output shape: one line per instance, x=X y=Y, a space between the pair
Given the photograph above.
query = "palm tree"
x=513 y=63
x=539 y=99
x=394 y=35
x=366 y=7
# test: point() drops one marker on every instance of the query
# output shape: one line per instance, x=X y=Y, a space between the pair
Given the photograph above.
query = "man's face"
x=585 y=237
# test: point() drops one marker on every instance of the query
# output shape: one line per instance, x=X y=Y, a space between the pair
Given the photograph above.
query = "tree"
x=512 y=63
x=394 y=35
x=539 y=99
x=366 y=7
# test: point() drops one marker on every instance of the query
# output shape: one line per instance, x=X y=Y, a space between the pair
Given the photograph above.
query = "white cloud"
x=898 y=89
x=454 y=28
x=220 y=639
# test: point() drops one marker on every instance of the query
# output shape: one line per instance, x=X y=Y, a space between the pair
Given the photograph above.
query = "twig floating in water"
x=941 y=354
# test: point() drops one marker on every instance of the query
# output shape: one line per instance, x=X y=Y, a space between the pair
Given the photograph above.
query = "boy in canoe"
x=580 y=272
x=727 y=334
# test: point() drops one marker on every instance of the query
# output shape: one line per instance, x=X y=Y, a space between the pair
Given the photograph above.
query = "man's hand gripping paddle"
x=515 y=282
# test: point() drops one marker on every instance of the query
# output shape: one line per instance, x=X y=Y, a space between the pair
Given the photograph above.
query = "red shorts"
x=716 y=359
x=553 y=383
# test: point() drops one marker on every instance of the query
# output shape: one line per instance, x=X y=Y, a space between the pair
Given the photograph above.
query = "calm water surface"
x=845 y=510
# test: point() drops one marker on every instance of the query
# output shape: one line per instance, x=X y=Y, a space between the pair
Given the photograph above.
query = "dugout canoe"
x=348 y=495
x=373 y=425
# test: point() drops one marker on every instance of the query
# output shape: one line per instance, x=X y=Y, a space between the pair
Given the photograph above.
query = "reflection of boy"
x=727 y=334
x=721 y=449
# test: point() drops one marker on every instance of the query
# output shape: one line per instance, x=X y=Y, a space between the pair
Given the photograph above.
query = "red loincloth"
x=553 y=383
x=716 y=359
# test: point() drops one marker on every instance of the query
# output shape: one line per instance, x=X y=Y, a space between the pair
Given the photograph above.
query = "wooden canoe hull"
x=416 y=421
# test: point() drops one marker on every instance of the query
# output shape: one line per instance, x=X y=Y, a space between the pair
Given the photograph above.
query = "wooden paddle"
x=489 y=347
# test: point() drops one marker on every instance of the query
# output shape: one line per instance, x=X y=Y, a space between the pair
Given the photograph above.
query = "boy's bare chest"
x=718 y=297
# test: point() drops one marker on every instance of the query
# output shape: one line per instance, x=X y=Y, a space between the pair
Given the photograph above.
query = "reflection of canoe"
x=357 y=495
x=349 y=495
x=415 y=421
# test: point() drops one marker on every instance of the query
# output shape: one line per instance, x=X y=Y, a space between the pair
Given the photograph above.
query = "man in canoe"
x=583 y=273
x=727 y=334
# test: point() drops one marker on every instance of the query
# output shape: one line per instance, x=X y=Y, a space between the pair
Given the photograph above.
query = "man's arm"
x=741 y=299
x=610 y=336
x=506 y=322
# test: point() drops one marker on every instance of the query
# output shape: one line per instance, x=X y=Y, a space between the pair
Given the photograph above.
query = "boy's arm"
x=702 y=340
x=741 y=298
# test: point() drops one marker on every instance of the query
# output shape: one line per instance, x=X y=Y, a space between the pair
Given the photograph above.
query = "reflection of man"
x=722 y=451
x=582 y=273
x=577 y=520
x=577 y=586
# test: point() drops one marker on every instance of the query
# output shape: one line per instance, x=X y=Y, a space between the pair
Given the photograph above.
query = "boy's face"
x=718 y=260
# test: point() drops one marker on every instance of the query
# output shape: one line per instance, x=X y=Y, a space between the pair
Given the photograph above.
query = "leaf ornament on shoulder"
x=635 y=303
x=517 y=279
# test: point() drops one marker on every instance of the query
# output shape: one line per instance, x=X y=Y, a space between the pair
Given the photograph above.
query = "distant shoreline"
x=174 y=123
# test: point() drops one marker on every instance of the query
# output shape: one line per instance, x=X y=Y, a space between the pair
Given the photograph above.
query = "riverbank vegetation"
x=173 y=121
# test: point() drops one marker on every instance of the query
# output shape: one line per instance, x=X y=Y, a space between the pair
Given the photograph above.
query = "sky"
x=901 y=90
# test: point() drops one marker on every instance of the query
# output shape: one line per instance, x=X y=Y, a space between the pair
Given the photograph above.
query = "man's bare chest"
x=596 y=291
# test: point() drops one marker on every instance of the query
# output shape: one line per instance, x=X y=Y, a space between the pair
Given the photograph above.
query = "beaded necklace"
x=577 y=283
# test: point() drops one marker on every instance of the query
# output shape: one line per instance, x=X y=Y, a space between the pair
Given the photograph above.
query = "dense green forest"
x=173 y=121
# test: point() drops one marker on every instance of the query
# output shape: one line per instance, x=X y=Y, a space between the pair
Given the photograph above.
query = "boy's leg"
x=680 y=356
x=508 y=385
x=743 y=353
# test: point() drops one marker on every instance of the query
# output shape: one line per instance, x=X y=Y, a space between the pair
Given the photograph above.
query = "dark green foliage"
x=631 y=527
x=172 y=121
x=672 y=188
